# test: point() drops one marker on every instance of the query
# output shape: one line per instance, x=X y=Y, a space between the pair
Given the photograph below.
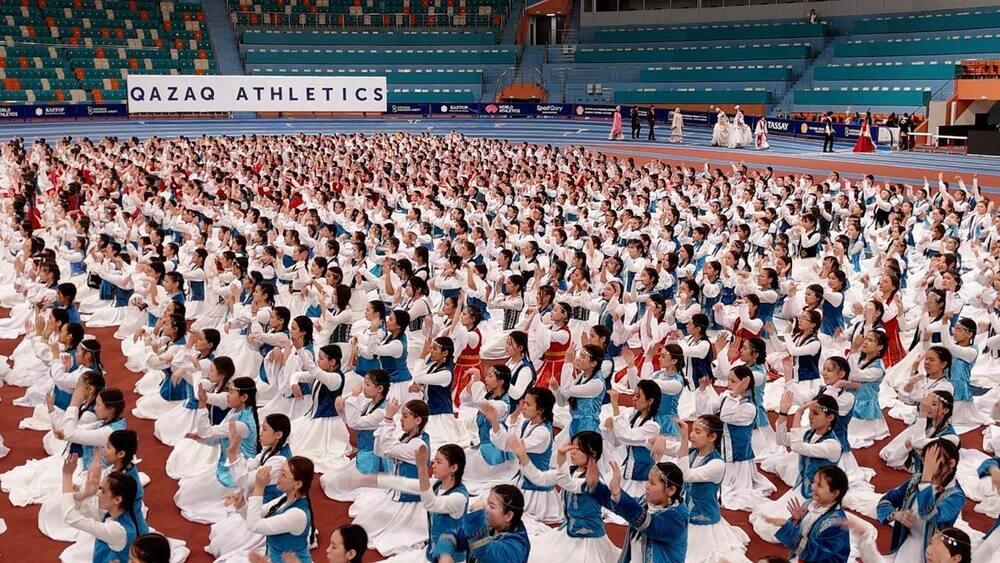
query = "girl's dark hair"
x=380 y=378
x=226 y=368
x=520 y=339
x=303 y=471
x=455 y=456
x=305 y=324
x=958 y=543
x=127 y=442
x=715 y=426
x=113 y=399
x=151 y=548
x=121 y=484
x=502 y=373
x=284 y=314
x=279 y=423
x=759 y=348
x=842 y=364
x=545 y=401
x=948 y=400
x=829 y=406
x=213 y=337
x=448 y=346
x=420 y=410
x=247 y=386
x=590 y=443
x=945 y=356
x=653 y=394
x=513 y=502
x=355 y=538
x=836 y=480
x=673 y=476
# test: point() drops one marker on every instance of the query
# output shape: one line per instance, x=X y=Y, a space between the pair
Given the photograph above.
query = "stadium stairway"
x=223 y=36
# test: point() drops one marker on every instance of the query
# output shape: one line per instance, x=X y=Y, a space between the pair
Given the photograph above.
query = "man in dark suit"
x=828 y=132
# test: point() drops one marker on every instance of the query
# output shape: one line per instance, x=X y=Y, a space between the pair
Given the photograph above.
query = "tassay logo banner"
x=200 y=94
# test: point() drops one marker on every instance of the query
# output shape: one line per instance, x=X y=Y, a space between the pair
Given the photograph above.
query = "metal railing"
x=629 y=5
x=380 y=20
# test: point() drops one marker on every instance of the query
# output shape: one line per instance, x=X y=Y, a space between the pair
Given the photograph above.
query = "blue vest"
x=443 y=526
x=366 y=462
x=121 y=295
x=398 y=371
x=701 y=367
x=808 y=466
x=583 y=515
x=638 y=460
x=171 y=392
x=439 y=396
x=264 y=350
x=737 y=444
x=702 y=498
x=139 y=495
x=271 y=491
x=707 y=304
x=106 y=292
x=491 y=454
x=409 y=470
x=961 y=372
x=197 y=290
x=517 y=373
x=103 y=552
x=540 y=460
x=808 y=366
x=87 y=455
x=585 y=411
x=668 y=405
x=324 y=399
x=295 y=543
x=77 y=268
x=248 y=447
x=833 y=318
x=840 y=428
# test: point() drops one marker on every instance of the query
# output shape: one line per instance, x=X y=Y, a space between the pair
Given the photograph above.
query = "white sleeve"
x=288 y=522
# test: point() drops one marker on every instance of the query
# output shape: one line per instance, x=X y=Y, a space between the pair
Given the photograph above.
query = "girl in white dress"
x=743 y=487
x=111 y=536
x=434 y=384
x=396 y=521
x=189 y=456
x=201 y=498
x=486 y=465
x=362 y=410
x=171 y=427
x=534 y=429
x=446 y=501
x=320 y=434
x=229 y=539
x=628 y=437
x=583 y=538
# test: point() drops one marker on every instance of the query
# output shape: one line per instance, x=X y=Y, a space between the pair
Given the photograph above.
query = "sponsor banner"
x=148 y=93
x=409 y=109
x=60 y=111
x=553 y=110
x=814 y=129
x=605 y=112
x=458 y=109
x=106 y=110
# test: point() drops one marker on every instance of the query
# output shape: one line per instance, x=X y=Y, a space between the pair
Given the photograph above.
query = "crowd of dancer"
x=492 y=349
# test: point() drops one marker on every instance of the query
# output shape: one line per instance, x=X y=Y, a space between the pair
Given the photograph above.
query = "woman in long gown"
x=201 y=498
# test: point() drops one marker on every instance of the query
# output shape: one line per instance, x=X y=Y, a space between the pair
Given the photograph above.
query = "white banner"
x=199 y=94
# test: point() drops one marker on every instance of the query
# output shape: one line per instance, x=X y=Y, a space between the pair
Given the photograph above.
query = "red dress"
x=864 y=143
x=740 y=335
x=467 y=359
x=553 y=360
x=894 y=352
